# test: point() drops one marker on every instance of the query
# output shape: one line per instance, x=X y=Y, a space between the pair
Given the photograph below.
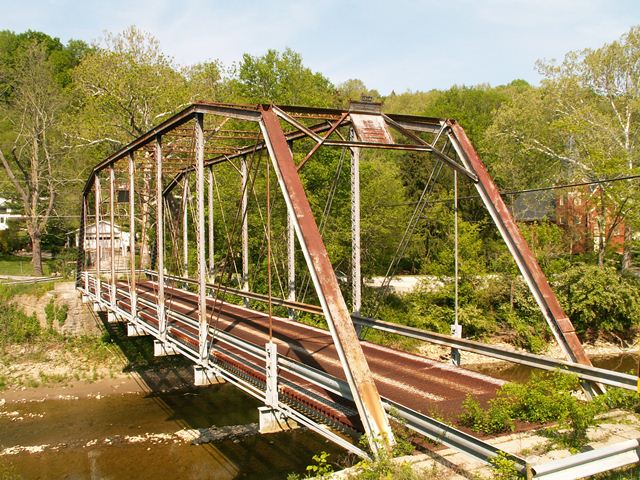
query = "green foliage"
x=383 y=467
x=37 y=290
x=547 y=397
x=11 y=240
x=621 y=398
x=281 y=77
x=472 y=107
x=16 y=327
x=123 y=88
x=547 y=241
x=55 y=315
x=322 y=468
x=625 y=473
x=504 y=468
x=598 y=300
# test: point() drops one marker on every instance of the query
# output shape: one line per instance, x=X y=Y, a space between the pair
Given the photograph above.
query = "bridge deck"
x=417 y=382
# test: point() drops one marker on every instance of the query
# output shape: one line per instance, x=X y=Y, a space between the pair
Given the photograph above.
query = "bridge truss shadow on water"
x=201 y=271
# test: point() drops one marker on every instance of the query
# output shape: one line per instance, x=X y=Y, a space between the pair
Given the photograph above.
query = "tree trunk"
x=602 y=229
x=36 y=250
x=626 y=254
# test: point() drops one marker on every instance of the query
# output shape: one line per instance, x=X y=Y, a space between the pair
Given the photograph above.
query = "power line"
x=527 y=190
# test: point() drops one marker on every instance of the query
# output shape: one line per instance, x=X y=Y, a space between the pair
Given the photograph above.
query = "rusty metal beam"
x=297 y=135
x=319 y=144
x=557 y=319
x=455 y=165
x=354 y=364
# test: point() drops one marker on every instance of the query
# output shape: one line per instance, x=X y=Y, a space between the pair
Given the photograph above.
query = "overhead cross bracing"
x=196 y=188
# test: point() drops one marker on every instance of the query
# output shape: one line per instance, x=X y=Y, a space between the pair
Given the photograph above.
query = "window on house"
x=123 y=196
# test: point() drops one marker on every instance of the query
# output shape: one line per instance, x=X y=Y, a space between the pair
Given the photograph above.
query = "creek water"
x=625 y=362
x=132 y=436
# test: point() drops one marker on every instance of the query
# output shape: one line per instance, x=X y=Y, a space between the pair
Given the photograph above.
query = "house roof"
x=105 y=227
x=535 y=206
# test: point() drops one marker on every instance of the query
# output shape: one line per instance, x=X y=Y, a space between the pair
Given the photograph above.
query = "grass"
x=7 y=292
x=15 y=265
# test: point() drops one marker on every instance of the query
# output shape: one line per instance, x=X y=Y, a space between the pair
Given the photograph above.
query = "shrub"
x=15 y=326
x=598 y=300
x=547 y=397
x=504 y=468
x=55 y=315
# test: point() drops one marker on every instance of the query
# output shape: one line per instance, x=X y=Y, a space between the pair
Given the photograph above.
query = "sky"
x=391 y=45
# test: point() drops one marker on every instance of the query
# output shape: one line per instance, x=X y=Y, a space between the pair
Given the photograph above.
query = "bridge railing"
x=585 y=372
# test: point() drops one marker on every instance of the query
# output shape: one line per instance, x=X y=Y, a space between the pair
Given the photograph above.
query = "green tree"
x=355 y=89
x=581 y=124
x=31 y=120
x=122 y=90
x=281 y=77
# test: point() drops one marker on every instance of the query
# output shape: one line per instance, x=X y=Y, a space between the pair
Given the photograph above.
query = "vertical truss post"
x=96 y=185
x=456 y=329
x=291 y=263
x=556 y=318
x=210 y=223
x=185 y=227
x=112 y=204
x=291 y=258
x=82 y=238
x=245 y=226
x=200 y=245
x=359 y=377
x=356 y=269
x=162 y=317
x=132 y=236
x=271 y=370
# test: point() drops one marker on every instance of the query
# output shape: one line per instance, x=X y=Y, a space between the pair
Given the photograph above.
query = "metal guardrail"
x=29 y=281
x=584 y=372
x=590 y=463
x=573 y=467
x=423 y=424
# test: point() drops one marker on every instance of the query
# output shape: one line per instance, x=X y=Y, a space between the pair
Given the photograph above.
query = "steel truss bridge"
x=197 y=197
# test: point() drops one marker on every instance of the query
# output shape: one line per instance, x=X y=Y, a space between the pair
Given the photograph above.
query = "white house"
x=121 y=239
x=6 y=213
